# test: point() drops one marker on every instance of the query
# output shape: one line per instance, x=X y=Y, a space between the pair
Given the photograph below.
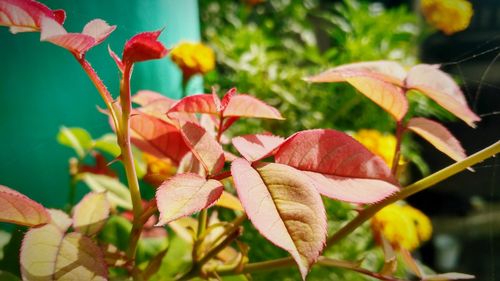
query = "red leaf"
x=157 y=137
x=93 y=34
x=438 y=136
x=335 y=154
x=440 y=87
x=203 y=103
x=248 y=106
x=184 y=195
x=284 y=207
x=227 y=98
x=143 y=46
x=26 y=15
x=19 y=209
x=204 y=147
x=387 y=71
x=256 y=147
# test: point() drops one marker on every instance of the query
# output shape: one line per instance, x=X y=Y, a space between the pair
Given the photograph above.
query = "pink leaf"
x=117 y=59
x=391 y=98
x=227 y=98
x=248 y=106
x=91 y=213
x=440 y=87
x=335 y=154
x=284 y=206
x=145 y=97
x=204 y=147
x=185 y=194
x=203 y=103
x=78 y=43
x=256 y=147
x=387 y=71
x=157 y=137
x=438 y=136
x=19 y=209
x=143 y=46
x=26 y=15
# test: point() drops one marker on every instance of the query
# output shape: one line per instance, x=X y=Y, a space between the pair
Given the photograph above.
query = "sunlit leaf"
x=391 y=98
x=49 y=254
x=184 y=195
x=388 y=71
x=255 y=147
x=439 y=86
x=249 y=106
x=143 y=46
x=25 y=16
x=60 y=219
x=203 y=103
x=116 y=192
x=157 y=137
x=145 y=97
x=77 y=138
x=227 y=200
x=19 y=209
x=93 y=34
x=340 y=167
x=438 y=136
x=284 y=207
x=204 y=147
x=91 y=213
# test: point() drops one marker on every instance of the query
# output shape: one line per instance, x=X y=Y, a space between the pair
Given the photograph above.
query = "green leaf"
x=77 y=138
x=117 y=193
x=7 y=276
x=90 y=215
x=116 y=232
x=4 y=240
x=178 y=259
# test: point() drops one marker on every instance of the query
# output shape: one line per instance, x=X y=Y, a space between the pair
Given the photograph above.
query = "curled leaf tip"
x=144 y=46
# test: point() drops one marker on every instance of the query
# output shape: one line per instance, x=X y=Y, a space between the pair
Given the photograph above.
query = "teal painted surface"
x=42 y=87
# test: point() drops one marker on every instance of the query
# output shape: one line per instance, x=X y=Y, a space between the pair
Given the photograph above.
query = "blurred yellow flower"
x=403 y=226
x=193 y=58
x=449 y=16
x=380 y=144
x=159 y=170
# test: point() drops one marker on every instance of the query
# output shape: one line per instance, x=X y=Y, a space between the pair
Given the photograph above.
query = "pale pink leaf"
x=356 y=190
x=337 y=155
x=248 y=106
x=204 y=147
x=18 y=209
x=391 y=98
x=256 y=147
x=448 y=276
x=98 y=29
x=185 y=194
x=440 y=87
x=60 y=219
x=49 y=254
x=387 y=71
x=144 y=97
x=91 y=213
x=283 y=205
x=157 y=137
x=190 y=164
x=438 y=136
x=26 y=15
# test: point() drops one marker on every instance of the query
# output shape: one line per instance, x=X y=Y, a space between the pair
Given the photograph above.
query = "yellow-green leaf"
x=90 y=215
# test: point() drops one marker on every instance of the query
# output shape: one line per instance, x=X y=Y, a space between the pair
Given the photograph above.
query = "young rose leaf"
x=90 y=215
x=227 y=98
x=440 y=87
x=93 y=34
x=340 y=167
x=204 y=147
x=49 y=254
x=438 y=136
x=19 y=209
x=256 y=147
x=143 y=46
x=391 y=98
x=60 y=219
x=145 y=97
x=184 y=195
x=203 y=103
x=157 y=137
x=284 y=207
x=26 y=15
x=248 y=106
x=387 y=71
x=448 y=276
x=116 y=192
x=77 y=138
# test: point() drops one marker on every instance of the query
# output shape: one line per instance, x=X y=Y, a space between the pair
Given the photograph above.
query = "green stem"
x=397 y=151
x=127 y=158
x=354 y=267
x=202 y=222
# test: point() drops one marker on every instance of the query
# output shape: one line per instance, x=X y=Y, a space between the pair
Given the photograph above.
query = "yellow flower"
x=382 y=145
x=403 y=226
x=449 y=16
x=193 y=58
x=159 y=170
